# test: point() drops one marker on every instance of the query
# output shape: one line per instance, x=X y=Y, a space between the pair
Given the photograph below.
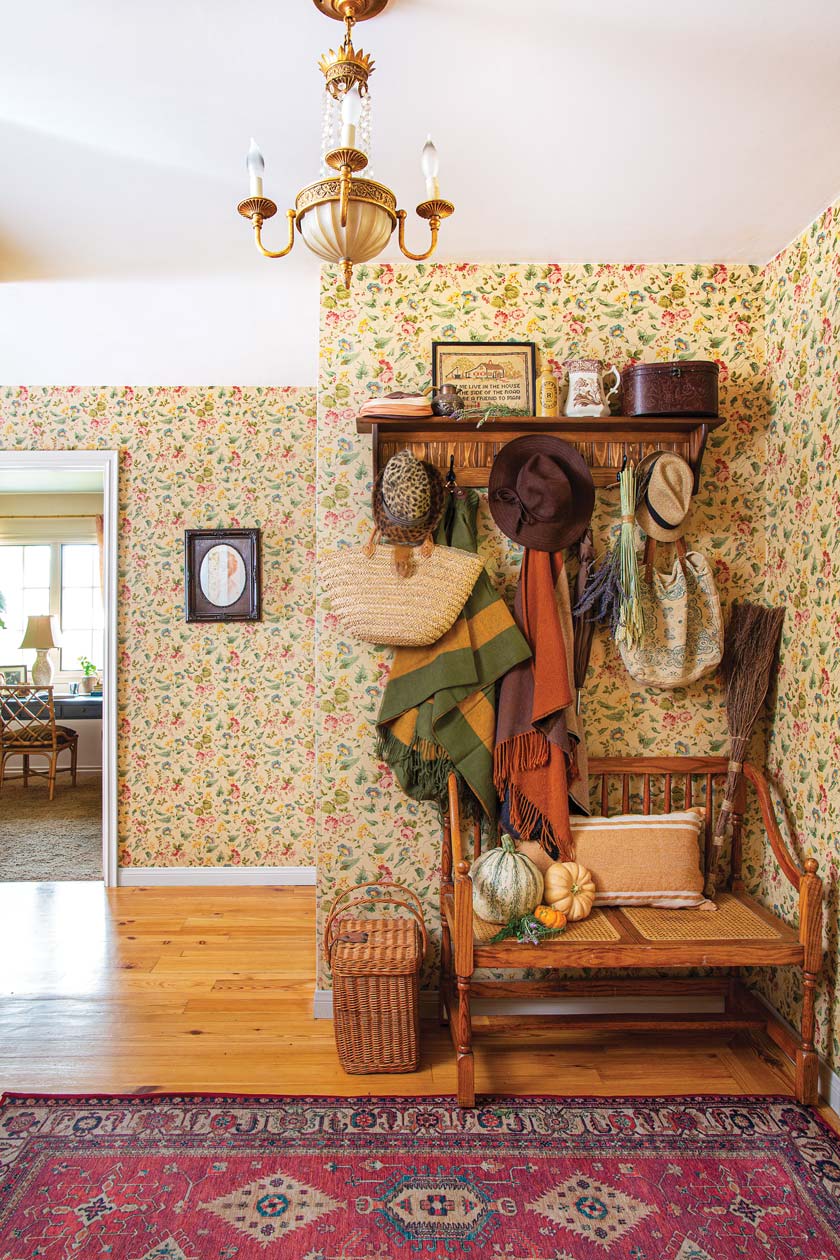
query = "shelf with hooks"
x=604 y=443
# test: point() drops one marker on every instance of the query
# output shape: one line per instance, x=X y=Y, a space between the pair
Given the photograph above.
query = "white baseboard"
x=215 y=876
x=712 y=1004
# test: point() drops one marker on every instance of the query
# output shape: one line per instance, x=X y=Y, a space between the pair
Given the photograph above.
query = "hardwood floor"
x=144 y=990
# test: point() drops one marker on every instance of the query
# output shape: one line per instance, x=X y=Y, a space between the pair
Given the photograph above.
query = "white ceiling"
x=659 y=131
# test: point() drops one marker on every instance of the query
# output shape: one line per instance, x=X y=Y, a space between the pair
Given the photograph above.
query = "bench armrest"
x=786 y=862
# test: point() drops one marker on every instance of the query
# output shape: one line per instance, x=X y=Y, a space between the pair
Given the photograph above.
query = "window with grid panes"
x=61 y=578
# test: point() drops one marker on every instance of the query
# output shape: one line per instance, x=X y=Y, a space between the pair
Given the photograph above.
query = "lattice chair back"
x=27 y=716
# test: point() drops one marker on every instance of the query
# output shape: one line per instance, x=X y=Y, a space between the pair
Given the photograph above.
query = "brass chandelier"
x=342 y=217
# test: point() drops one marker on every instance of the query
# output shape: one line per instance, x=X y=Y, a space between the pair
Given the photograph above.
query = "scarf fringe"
x=428 y=773
x=525 y=817
x=424 y=762
x=526 y=751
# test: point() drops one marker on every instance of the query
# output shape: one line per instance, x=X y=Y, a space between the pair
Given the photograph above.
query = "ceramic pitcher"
x=588 y=394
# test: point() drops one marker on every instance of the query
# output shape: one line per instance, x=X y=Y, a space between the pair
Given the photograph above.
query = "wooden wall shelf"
x=603 y=443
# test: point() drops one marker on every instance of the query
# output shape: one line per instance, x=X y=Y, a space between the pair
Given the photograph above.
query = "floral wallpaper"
x=802 y=295
x=378 y=337
x=216 y=741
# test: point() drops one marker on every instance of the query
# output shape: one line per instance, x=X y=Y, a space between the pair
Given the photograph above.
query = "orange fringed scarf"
x=531 y=761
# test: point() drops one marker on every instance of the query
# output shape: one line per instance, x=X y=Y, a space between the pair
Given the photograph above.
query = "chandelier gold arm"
x=280 y=253
x=258 y=209
x=433 y=211
x=434 y=225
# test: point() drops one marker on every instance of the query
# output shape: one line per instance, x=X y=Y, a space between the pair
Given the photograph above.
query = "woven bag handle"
x=426 y=549
x=650 y=556
x=381 y=898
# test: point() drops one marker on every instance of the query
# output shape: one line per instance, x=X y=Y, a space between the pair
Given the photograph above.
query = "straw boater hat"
x=408 y=499
x=666 y=501
x=541 y=492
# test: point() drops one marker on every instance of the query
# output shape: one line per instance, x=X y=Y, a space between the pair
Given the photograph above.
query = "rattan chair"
x=28 y=729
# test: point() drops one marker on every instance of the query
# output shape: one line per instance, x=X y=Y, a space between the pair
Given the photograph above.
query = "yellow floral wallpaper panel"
x=216 y=742
x=376 y=338
x=802 y=299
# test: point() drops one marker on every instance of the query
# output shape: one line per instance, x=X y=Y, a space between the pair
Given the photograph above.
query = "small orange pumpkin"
x=550 y=918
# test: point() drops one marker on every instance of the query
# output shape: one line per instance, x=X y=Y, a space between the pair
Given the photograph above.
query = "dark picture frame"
x=220 y=587
x=502 y=375
x=14 y=675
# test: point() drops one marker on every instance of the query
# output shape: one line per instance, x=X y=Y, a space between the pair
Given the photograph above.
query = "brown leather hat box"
x=689 y=388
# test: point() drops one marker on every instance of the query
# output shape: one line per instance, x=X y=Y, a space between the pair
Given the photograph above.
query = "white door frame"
x=106 y=462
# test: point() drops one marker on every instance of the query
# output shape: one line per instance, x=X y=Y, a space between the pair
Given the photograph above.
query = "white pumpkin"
x=506 y=884
x=570 y=887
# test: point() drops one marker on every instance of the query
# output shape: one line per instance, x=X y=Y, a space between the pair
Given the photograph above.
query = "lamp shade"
x=40 y=633
x=371 y=218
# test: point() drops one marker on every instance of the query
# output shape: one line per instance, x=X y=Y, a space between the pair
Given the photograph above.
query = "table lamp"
x=41 y=635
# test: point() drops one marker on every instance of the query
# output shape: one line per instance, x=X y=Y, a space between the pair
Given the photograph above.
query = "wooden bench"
x=743 y=933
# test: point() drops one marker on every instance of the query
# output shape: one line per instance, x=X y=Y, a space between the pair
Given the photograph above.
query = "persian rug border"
x=408 y=1100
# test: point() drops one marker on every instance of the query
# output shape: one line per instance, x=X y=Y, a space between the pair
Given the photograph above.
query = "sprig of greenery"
x=526 y=929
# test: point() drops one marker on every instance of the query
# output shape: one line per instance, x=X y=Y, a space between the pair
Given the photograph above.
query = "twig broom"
x=752 y=638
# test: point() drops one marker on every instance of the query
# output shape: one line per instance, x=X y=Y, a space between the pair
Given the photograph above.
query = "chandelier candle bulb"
x=430 y=164
x=255 y=164
x=351 y=112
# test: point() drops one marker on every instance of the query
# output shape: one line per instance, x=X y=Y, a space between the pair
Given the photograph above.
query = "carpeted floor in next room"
x=42 y=839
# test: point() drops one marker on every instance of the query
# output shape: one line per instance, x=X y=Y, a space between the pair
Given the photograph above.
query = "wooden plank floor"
x=211 y=989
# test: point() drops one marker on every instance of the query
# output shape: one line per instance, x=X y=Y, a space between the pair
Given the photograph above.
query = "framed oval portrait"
x=222 y=575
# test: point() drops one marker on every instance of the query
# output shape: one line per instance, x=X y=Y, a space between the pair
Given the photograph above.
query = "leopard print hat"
x=408 y=499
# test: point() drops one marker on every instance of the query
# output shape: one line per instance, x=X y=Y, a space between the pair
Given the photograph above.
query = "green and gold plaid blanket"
x=438 y=713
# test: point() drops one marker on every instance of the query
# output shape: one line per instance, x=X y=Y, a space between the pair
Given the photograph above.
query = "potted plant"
x=89 y=681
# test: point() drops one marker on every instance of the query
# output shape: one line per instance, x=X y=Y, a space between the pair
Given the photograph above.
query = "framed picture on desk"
x=13 y=675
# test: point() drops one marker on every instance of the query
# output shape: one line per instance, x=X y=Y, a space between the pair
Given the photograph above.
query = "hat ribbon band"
x=403 y=522
x=659 y=520
x=505 y=494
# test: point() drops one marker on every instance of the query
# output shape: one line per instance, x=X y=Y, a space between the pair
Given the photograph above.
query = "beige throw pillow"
x=639 y=859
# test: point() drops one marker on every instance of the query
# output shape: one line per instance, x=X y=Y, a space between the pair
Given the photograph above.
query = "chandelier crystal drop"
x=345 y=217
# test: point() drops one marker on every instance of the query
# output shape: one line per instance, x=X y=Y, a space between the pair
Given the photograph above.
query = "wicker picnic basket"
x=376 y=972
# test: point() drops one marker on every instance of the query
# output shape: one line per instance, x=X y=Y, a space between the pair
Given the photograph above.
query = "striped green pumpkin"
x=506 y=884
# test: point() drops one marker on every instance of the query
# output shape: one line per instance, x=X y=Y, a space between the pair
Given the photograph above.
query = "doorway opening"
x=58 y=585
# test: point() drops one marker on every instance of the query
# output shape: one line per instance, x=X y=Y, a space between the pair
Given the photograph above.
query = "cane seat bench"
x=742 y=933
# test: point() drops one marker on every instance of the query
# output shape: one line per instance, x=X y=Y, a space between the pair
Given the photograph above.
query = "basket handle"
x=382 y=898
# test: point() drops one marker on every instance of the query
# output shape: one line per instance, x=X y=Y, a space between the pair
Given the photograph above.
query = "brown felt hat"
x=666 y=501
x=408 y=499
x=541 y=492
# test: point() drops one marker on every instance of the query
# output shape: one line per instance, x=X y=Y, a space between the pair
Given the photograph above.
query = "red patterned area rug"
x=216 y=1178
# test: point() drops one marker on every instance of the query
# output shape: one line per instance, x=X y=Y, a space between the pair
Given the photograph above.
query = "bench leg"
x=807 y=1063
x=466 y=1066
x=445 y=971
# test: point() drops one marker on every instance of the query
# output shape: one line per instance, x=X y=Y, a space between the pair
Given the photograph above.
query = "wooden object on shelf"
x=604 y=443
x=742 y=933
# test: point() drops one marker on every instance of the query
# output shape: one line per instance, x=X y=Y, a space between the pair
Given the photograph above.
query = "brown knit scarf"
x=531 y=762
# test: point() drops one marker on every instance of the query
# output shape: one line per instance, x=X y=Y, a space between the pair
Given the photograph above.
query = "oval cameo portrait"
x=222 y=575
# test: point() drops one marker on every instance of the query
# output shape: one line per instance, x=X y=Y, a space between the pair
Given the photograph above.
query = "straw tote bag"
x=403 y=597
x=683 y=635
